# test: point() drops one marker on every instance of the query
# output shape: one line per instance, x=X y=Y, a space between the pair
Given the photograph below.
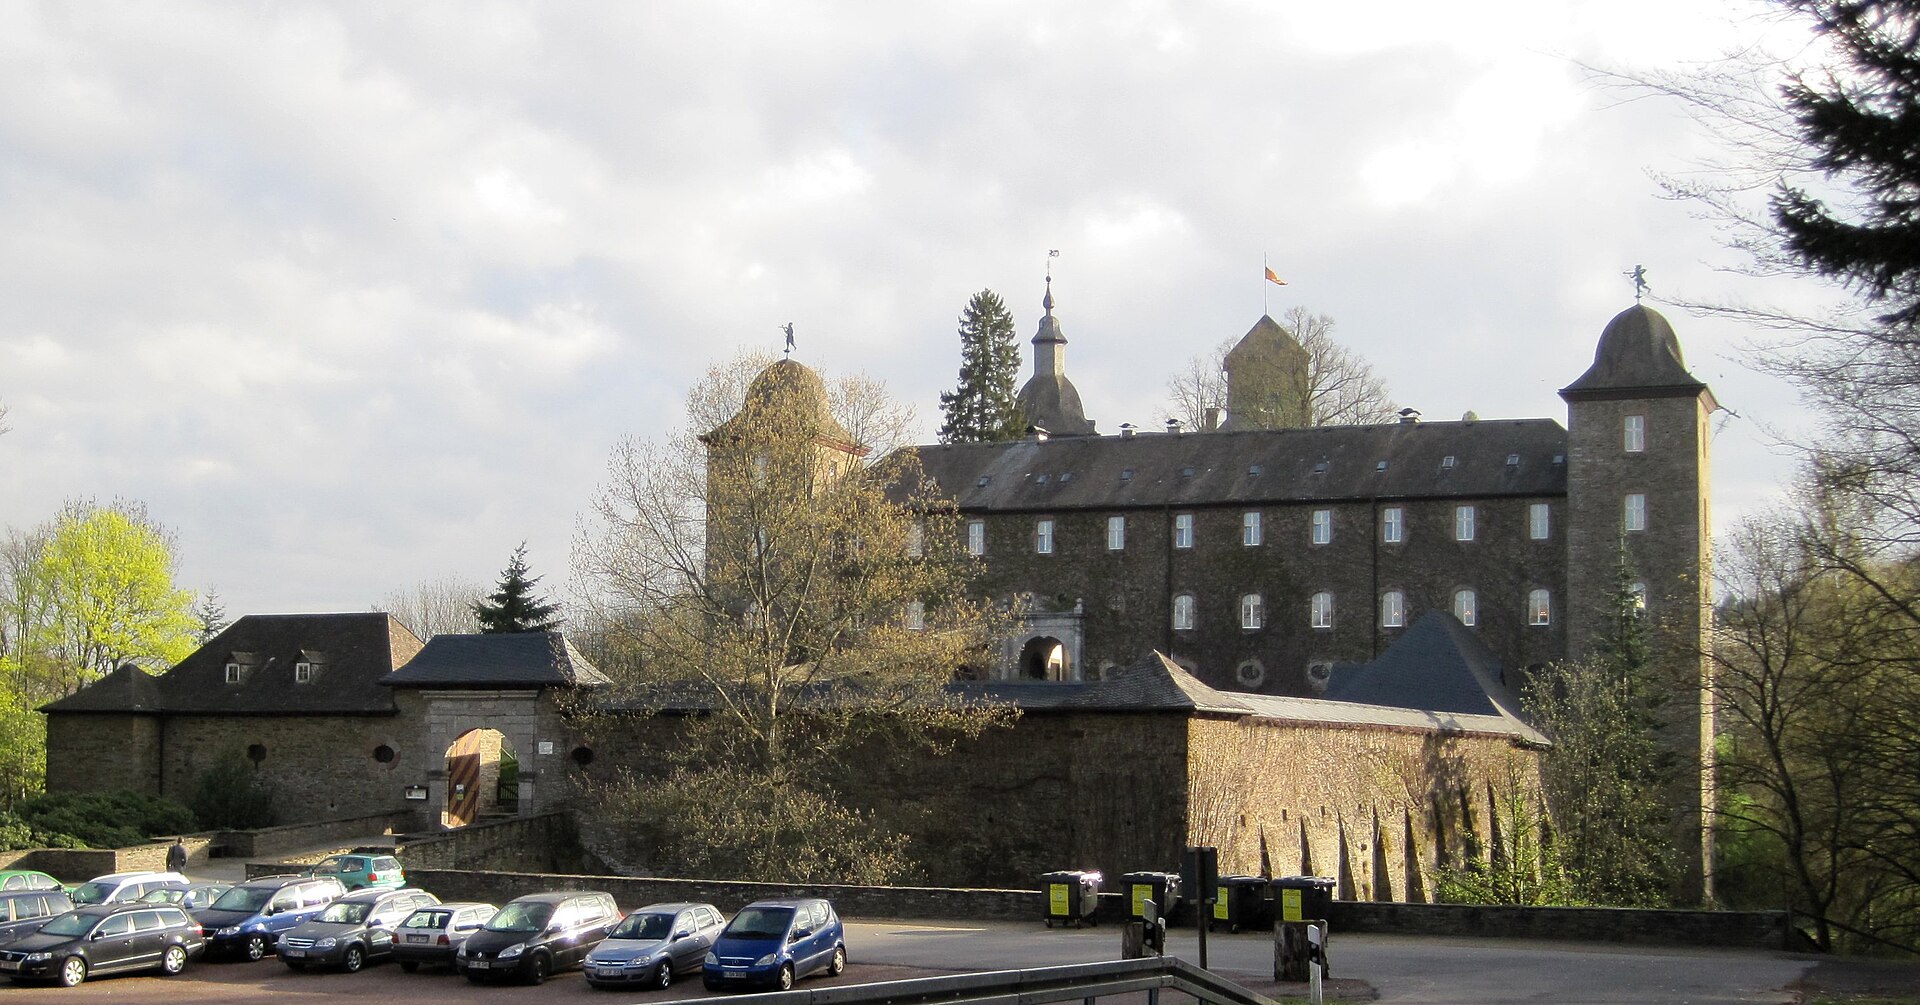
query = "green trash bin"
x=1240 y=902
x=1163 y=888
x=1070 y=896
x=1302 y=898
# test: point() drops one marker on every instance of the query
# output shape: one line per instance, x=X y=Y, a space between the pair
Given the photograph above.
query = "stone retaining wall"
x=1737 y=929
x=294 y=837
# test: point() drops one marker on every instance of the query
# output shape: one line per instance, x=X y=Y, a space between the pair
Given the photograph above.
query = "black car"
x=22 y=912
x=105 y=939
x=537 y=935
x=352 y=930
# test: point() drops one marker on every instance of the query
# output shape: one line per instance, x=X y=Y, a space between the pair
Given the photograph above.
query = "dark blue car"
x=771 y=943
x=248 y=919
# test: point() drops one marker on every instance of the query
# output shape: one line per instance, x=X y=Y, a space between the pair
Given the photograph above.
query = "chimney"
x=1127 y=429
x=1173 y=426
x=1409 y=416
x=1213 y=418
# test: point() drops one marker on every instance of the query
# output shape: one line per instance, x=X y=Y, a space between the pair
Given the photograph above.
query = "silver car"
x=653 y=945
x=433 y=934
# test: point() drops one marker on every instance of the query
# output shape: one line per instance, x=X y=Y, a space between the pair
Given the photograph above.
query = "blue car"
x=771 y=943
x=248 y=919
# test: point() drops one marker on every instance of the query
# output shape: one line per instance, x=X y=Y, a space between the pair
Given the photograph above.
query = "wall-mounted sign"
x=416 y=793
x=546 y=746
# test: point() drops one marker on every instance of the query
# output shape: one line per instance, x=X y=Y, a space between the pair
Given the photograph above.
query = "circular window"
x=1250 y=673
x=256 y=752
x=582 y=756
x=1319 y=674
x=383 y=754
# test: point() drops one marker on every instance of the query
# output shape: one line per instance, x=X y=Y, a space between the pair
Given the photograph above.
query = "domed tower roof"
x=1638 y=352
x=1048 y=398
x=792 y=389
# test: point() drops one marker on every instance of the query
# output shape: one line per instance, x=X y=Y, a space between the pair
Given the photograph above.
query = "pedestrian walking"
x=177 y=855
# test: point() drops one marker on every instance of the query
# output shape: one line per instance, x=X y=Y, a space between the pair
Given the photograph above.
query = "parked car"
x=352 y=930
x=434 y=934
x=771 y=943
x=22 y=912
x=653 y=945
x=250 y=917
x=359 y=870
x=536 y=935
x=189 y=898
x=123 y=887
x=105 y=939
x=26 y=879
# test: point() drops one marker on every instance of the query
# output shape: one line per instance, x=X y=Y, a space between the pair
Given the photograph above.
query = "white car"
x=125 y=887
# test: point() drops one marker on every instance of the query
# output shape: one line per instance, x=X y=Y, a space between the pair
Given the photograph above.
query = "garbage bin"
x=1302 y=898
x=1163 y=888
x=1241 y=902
x=1071 y=896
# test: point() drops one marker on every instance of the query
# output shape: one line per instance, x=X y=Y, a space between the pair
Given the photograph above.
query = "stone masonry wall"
x=89 y=753
x=319 y=767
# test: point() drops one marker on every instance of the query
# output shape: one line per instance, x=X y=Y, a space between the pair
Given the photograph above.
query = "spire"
x=1049 y=398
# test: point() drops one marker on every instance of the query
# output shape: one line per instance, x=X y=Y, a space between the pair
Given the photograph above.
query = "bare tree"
x=442 y=605
x=1342 y=387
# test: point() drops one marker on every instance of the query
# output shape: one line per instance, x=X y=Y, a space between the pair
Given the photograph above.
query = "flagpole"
x=1264 y=269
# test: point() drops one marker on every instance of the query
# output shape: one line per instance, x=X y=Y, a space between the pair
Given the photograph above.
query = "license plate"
x=296 y=953
x=417 y=938
x=479 y=965
x=9 y=965
x=734 y=976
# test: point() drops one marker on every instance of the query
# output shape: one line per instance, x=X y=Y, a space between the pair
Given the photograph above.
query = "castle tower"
x=1048 y=399
x=1637 y=490
x=1267 y=380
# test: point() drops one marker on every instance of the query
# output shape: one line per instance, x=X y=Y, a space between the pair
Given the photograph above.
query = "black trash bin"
x=1302 y=898
x=1070 y=896
x=1163 y=888
x=1241 y=902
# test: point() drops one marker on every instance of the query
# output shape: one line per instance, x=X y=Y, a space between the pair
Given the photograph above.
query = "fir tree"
x=983 y=409
x=513 y=607
x=212 y=615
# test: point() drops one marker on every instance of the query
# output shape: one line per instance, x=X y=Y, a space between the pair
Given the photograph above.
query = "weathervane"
x=788 y=328
x=1639 y=277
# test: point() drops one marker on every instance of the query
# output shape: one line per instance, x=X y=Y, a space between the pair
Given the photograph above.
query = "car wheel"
x=537 y=969
x=73 y=970
x=173 y=960
x=837 y=965
x=355 y=958
x=663 y=975
x=409 y=965
x=786 y=977
x=256 y=947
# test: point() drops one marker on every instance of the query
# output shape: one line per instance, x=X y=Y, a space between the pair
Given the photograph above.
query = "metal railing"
x=1083 y=982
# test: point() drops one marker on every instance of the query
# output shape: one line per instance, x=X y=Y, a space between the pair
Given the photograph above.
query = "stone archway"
x=1044 y=658
x=457 y=775
x=482 y=776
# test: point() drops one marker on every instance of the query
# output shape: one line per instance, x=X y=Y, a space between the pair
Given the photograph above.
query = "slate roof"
x=1155 y=684
x=1437 y=666
x=1050 y=401
x=522 y=660
x=1255 y=466
x=355 y=651
x=1638 y=352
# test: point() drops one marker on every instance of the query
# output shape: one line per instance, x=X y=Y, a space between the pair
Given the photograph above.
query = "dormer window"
x=1380 y=467
x=1126 y=474
x=303 y=672
x=982 y=483
x=1320 y=467
x=233 y=673
x=1253 y=470
x=1446 y=463
x=1513 y=460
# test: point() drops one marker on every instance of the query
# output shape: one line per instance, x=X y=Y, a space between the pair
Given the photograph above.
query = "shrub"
x=230 y=795
x=102 y=819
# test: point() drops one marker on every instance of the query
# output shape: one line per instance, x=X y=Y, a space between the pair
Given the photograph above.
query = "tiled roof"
x=1327 y=463
x=354 y=650
x=525 y=659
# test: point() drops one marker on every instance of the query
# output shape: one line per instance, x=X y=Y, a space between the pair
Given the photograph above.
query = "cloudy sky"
x=357 y=295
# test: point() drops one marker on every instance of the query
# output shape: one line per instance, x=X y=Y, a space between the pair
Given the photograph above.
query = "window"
x=1252 y=611
x=1183 y=530
x=1465 y=606
x=1320 y=610
x=976 y=537
x=916 y=615
x=1116 y=533
x=1183 y=612
x=1043 y=536
x=1250 y=673
x=916 y=539
x=1637 y=594
x=1539 y=521
x=1463 y=523
x=1539 y=607
x=303 y=672
x=1393 y=524
x=1393 y=609
x=1250 y=528
x=233 y=673
x=1636 y=511
x=1322 y=526
x=1633 y=434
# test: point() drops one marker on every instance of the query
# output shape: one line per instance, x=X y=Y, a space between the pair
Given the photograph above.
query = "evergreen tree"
x=513 y=607
x=212 y=615
x=983 y=409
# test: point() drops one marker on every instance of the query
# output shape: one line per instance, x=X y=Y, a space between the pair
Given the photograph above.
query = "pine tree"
x=513 y=607
x=983 y=409
x=1859 y=120
x=212 y=615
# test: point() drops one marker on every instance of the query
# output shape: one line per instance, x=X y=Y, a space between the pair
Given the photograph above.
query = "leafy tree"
x=756 y=568
x=512 y=607
x=440 y=606
x=983 y=407
x=1342 y=387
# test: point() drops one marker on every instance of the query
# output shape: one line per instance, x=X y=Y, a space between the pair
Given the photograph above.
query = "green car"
x=359 y=871
x=26 y=879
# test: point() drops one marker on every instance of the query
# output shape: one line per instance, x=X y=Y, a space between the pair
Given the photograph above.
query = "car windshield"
x=92 y=893
x=427 y=919
x=334 y=866
x=521 y=918
x=760 y=923
x=69 y=924
x=246 y=899
x=345 y=914
x=647 y=927
x=173 y=896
